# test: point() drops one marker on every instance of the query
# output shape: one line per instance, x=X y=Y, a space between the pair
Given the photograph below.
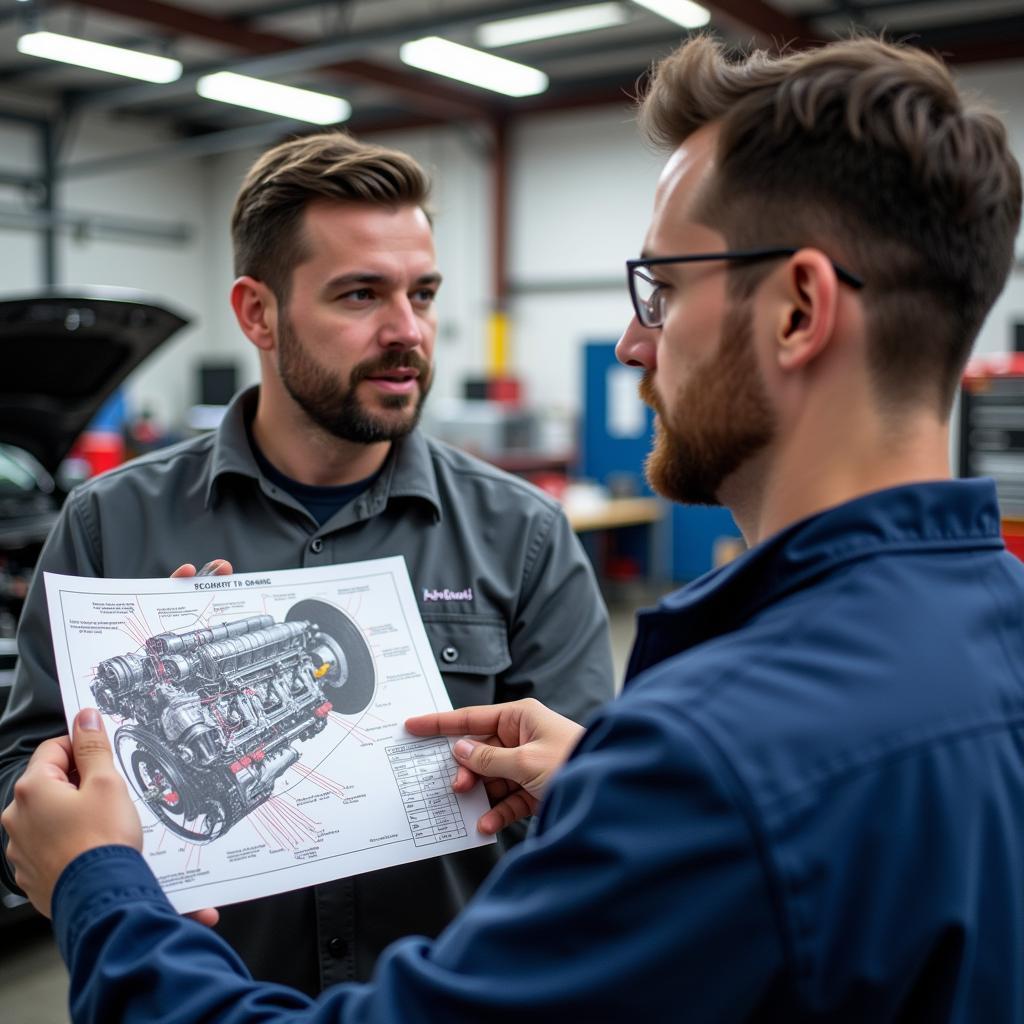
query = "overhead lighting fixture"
x=682 y=12
x=100 y=57
x=283 y=100
x=463 y=63
x=509 y=31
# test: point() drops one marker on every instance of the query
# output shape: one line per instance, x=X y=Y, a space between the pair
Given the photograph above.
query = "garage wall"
x=21 y=252
x=169 y=192
x=580 y=193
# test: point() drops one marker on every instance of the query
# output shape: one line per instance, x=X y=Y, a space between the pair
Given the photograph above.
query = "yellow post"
x=497 y=344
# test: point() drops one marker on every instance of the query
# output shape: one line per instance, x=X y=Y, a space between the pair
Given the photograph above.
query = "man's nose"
x=402 y=327
x=638 y=346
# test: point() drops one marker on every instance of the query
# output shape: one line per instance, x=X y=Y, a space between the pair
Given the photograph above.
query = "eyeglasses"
x=648 y=295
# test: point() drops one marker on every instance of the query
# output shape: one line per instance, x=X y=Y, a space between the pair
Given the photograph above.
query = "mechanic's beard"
x=719 y=419
x=335 y=407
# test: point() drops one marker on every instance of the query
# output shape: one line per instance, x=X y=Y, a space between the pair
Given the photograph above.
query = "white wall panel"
x=580 y=193
x=581 y=197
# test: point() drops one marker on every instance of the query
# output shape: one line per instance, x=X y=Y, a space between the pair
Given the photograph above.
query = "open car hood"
x=63 y=353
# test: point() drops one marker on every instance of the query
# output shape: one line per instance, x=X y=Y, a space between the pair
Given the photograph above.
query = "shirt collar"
x=944 y=515
x=412 y=473
x=407 y=473
x=231 y=452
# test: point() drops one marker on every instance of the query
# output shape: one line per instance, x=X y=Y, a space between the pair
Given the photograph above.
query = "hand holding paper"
x=52 y=819
x=522 y=744
x=256 y=718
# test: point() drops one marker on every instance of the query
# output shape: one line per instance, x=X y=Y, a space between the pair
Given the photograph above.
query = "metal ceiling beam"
x=986 y=31
x=257 y=136
x=875 y=6
x=979 y=51
x=272 y=10
x=970 y=41
x=303 y=58
x=653 y=44
x=765 y=20
x=957 y=43
x=433 y=98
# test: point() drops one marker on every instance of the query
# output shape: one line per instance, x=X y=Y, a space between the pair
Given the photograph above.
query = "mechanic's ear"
x=808 y=316
x=255 y=308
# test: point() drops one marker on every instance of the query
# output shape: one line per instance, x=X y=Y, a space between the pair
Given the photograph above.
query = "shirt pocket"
x=471 y=653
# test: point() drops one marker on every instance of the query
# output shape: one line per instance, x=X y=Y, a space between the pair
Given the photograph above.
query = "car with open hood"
x=63 y=353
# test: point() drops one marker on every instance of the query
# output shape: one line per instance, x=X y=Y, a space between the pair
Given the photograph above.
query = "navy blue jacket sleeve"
x=642 y=892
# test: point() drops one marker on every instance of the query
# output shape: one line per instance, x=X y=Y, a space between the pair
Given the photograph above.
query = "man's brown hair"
x=267 y=219
x=867 y=150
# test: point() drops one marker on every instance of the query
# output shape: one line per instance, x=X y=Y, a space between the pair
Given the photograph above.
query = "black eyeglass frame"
x=733 y=256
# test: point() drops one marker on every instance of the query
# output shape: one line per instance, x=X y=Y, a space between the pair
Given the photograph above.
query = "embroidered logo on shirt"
x=448 y=595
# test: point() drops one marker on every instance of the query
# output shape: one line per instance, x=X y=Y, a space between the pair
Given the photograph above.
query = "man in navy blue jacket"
x=808 y=803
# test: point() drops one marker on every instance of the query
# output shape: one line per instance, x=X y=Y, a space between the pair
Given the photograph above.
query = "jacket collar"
x=408 y=471
x=945 y=515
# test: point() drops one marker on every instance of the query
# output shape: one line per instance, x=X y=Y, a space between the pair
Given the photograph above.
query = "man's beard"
x=719 y=419
x=335 y=407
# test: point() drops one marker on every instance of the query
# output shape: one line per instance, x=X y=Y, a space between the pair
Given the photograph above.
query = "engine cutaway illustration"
x=210 y=718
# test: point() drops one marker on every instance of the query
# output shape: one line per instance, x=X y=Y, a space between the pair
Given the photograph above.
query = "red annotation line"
x=331 y=785
x=134 y=632
x=142 y=618
x=352 y=730
x=137 y=625
x=299 y=819
x=283 y=831
x=261 y=830
x=289 y=829
x=192 y=850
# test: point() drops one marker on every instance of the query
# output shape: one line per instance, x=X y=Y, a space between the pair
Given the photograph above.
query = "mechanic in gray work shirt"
x=323 y=464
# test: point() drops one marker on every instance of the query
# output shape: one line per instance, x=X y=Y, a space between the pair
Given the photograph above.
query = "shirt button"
x=338 y=948
x=449 y=654
x=316 y=545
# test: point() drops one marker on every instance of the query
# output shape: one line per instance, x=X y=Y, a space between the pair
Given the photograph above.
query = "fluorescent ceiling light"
x=554 y=23
x=100 y=57
x=682 y=12
x=443 y=57
x=283 y=100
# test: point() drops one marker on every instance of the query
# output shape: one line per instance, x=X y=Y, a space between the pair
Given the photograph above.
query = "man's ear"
x=256 y=311
x=807 y=316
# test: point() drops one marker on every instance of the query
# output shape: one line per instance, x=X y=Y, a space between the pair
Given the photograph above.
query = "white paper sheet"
x=258 y=721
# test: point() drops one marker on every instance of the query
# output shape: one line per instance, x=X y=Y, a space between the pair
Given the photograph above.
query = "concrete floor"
x=33 y=980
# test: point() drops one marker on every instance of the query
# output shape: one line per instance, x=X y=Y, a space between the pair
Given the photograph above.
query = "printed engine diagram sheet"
x=258 y=720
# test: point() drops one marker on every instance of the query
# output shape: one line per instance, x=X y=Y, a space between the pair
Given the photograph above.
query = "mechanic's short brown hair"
x=267 y=217
x=868 y=150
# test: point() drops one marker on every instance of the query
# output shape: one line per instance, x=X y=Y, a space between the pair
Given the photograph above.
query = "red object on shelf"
x=553 y=483
x=997 y=364
x=505 y=389
x=993 y=384
x=101 y=449
x=1013 y=537
x=622 y=568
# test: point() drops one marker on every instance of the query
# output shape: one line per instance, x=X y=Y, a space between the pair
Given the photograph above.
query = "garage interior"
x=114 y=189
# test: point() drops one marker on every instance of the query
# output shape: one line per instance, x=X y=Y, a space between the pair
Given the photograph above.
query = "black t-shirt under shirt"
x=320 y=502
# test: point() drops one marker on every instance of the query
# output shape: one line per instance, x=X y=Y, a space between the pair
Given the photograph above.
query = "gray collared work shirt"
x=508 y=600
